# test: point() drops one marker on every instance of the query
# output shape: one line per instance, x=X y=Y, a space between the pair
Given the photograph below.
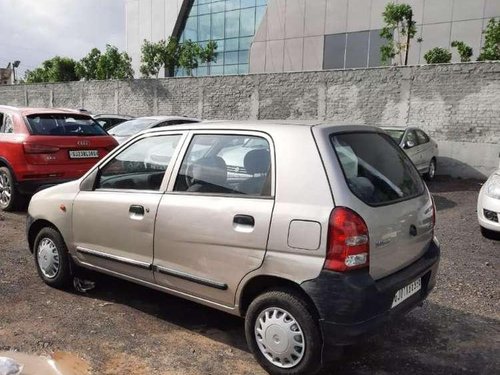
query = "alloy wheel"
x=5 y=189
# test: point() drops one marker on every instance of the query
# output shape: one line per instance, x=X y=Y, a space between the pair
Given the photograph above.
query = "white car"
x=488 y=206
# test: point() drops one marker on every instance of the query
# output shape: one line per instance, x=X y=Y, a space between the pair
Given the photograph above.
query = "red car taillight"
x=33 y=148
x=348 y=241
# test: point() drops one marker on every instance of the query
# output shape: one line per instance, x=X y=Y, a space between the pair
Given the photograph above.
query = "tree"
x=491 y=47
x=57 y=69
x=192 y=54
x=87 y=67
x=464 y=50
x=151 y=58
x=114 y=65
x=399 y=29
x=438 y=55
x=156 y=56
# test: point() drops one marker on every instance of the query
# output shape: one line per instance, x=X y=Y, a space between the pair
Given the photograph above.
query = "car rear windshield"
x=376 y=170
x=395 y=134
x=64 y=125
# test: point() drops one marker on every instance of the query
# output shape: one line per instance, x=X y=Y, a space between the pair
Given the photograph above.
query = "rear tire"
x=431 y=173
x=285 y=318
x=52 y=258
x=8 y=193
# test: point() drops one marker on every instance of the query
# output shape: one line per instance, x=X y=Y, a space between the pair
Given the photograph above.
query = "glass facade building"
x=230 y=23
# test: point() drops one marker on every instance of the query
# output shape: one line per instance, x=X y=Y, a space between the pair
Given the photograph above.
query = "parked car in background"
x=127 y=129
x=488 y=206
x=422 y=150
x=41 y=147
x=108 y=121
x=312 y=237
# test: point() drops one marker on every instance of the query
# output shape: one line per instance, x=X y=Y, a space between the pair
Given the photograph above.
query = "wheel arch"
x=35 y=228
x=262 y=283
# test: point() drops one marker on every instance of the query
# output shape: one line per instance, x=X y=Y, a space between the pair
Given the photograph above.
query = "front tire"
x=431 y=173
x=52 y=258
x=8 y=193
x=489 y=234
x=282 y=332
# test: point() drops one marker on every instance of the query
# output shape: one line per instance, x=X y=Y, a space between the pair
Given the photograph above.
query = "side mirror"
x=410 y=144
x=88 y=183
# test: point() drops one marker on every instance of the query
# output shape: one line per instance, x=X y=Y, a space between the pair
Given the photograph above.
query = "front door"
x=213 y=223
x=412 y=148
x=113 y=224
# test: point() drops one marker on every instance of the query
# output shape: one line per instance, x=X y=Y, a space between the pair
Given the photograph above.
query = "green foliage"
x=464 y=50
x=87 y=67
x=156 y=56
x=114 y=64
x=111 y=64
x=399 y=29
x=57 y=69
x=189 y=56
x=491 y=47
x=437 y=55
x=209 y=53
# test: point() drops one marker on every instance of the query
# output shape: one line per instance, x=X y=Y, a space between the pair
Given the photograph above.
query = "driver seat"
x=209 y=175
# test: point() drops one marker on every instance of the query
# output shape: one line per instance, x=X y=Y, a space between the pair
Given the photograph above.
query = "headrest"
x=257 y=161
x=211 y=170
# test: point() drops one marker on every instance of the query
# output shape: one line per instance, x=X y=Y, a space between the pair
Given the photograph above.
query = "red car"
x=44 y=147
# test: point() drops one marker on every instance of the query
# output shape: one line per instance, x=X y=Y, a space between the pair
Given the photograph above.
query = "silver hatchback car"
x=315 y=238
x=421 y=149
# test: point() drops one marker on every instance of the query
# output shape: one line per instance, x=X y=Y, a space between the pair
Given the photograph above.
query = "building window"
x=232 y=24
x=353 y=50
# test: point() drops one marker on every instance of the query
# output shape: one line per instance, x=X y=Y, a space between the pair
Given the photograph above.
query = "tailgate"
x=370 y=174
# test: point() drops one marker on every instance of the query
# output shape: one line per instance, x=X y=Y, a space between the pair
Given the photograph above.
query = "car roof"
x=403 y=128
x=261 y=125
x=26 y=111
x=165 y=118
x=113 y=115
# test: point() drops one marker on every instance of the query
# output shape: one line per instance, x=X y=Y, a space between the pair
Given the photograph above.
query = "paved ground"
x=121 y=328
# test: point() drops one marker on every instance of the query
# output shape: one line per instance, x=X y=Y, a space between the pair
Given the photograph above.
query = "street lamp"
x=15 y=64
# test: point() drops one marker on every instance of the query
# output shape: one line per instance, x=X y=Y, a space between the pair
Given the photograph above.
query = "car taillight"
x=348 y=241
x=33 y=148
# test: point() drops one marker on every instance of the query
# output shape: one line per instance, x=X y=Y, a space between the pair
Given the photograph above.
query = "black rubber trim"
x=192 y=278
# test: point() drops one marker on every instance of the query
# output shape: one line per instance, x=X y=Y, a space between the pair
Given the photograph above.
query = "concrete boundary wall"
x=457 y=104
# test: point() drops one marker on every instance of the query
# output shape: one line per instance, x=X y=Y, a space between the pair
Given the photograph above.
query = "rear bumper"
x=353 y=305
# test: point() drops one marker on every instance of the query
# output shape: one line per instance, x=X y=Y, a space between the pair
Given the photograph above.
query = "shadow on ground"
x=430 y=340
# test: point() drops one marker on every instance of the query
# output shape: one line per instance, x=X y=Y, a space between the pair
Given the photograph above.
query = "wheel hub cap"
x=279 y=337
x=48 y=258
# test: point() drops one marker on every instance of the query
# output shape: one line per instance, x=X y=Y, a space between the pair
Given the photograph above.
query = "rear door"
x=113 y=223
x=380 y=184
x=213 y=223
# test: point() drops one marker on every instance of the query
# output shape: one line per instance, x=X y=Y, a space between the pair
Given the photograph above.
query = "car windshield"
x=64 y=124
x=132 y=127
x=380 y=174
x=396 y=134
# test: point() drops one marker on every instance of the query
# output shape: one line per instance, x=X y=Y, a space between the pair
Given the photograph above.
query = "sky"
x=36 y=30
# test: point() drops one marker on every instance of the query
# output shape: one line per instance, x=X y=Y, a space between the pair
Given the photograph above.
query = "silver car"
x=127 y=129
x=422 y=150
x=312 y=237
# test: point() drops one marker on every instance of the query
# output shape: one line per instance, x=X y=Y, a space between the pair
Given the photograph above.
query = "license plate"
x=84 y=154
x=406 y=292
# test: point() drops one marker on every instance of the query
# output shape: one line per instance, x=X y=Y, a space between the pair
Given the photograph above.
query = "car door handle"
x=136 y=210
x=246 y=220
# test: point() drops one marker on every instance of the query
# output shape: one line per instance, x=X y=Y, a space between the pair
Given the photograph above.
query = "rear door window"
x=64 y=125
x=226 y=164
x=380 y=174
x=422 y=137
